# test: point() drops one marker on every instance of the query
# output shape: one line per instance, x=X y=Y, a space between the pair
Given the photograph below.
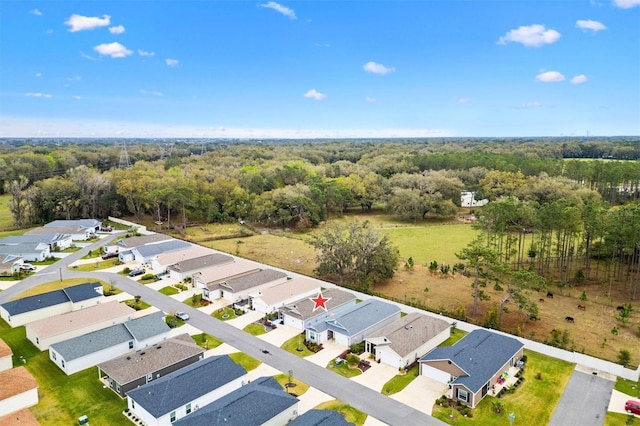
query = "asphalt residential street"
x=360 y=397
x=585 y=401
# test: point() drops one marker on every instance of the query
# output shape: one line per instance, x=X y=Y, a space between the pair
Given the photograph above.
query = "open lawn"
x=619 y=419
x=97 y=265
x=350 y=414
x=628 y=387
x=456 y=334
x=56 y=285
x=248 y=362
x=64 y=398
x=6 y=219
x=196 y=302
x=343 y=369
x=224 y=314
x=295 y=387
x=206 y=341
x=138 y=306
x=533 y=402
x=400 y=381
x=294 y=344
x=169 y=290
x=255 y=329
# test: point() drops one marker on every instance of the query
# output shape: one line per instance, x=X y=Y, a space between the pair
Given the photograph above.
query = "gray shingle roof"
x=303 y=308
x=78 y=347
x=23 y=248
x=176 y=389
x=31 y=303
x=143 y=327
x=480 y=354
x=320 y=418
x=255 y=279
x=208 y=260
x=142 y=240
x=135 y=365
x=147 y=326
x=360 y=318
x=49 y=238
x=253 y=404
x=411 y=331
x=80 y=223
x=164 y=247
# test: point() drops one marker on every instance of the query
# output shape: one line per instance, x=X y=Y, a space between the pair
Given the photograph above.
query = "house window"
x=149 y=377
x=37 y=341
x=172 y=416
x=188 y=409
x=133 y=404
x=463 y=395
x=53 y=355
x=118 y=388
x=312 y=335
x=63 y=363
x=130 y=344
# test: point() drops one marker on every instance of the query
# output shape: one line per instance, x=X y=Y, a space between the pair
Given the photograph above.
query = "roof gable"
x=410 y=332
x=147 y=326
x=255 y=279
x=78 y=293
x=183 y=386
x=16 y=381
x=303 y=308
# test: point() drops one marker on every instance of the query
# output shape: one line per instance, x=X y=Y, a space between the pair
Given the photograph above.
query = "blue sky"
x=302 y=69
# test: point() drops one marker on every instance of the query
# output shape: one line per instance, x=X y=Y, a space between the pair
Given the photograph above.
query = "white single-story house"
x=10 y=264
x=90 y=349
x=78 y=229
x=29 y=251
x=163 y=261
x=184 y=269
x=261 y=402
x=19 y=390
x=211 y=276
x=238 y=288
x=47 y=331
x=355 y=325
x=403 y=342
x=473 y=365
x=303 y=313
x=6 y=355
x=125 y=245
x=137 y=368
x=270 y=299
x=32 y=308
x=170 y=398
x=55 y=241
x=147 y=253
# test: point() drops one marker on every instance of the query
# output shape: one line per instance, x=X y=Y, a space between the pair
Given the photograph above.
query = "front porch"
x=506 y=380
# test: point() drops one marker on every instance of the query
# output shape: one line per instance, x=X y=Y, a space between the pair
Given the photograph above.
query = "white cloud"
x=39 y=95
x=370 y=99
x=145 y=53
x=579 y=79
x=35 y=12
x=550 y=77
x=626 y=4
x=38 y=74
x=48 y=32
x=76 y=97
x=157 y=93
x=534 y=104
x=171 y=62
x=280 y=9
x=376 y=68
x=119 y=29
x=85 y=56
x=464 y=100
x=531 y=36
x=115 y=50
x=322 y=45
x=588 y=24
x=314 y=94
x=82 y=23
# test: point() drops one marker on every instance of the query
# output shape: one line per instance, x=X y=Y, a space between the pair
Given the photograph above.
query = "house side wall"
x=124 y=388
x=87 y=303
x=43 y=344
x=6 y=363
x=38 y=314
x=446 y=367
x=151 y=340
x=284 y=417
x=141 y=413
x=18 y=402
x=426 y=347
x=293 y=322
x=90 y=360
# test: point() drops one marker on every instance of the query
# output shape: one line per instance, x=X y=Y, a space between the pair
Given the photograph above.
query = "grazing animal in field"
x=620 y=308
x=582 y=307
x=541 y=300
x=550 y=295
x=569 y=319
x=533 y=318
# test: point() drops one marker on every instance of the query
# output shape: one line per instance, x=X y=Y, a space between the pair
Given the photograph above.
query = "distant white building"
x=468 y=199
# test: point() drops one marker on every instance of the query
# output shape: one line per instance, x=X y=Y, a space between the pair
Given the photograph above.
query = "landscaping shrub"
x=353 y=360
x=148 y=277
x=357 y=348
x=312 y=346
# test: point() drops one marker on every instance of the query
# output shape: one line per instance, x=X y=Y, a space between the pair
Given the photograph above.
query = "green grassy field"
x=532 y=403
x=619 y=419
x=141 y=305
x=97 y=265
x=224 y=314
x=6 y=220
x=63 y=398
x=350 y=414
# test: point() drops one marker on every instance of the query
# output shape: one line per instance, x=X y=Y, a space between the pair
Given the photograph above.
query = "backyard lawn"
x=628 y=387
x=64 y=398
x=456 y=334
x=533 y=403
x=297 y=342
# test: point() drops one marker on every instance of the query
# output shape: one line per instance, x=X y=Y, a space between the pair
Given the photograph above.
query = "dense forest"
x=556 y=205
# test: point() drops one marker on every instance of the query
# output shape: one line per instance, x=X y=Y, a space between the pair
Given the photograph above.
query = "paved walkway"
x=617 y=401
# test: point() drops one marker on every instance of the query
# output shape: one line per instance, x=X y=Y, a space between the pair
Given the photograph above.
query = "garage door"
x=435 y=374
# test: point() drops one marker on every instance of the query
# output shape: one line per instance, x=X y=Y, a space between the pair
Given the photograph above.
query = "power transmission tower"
x=124 y=163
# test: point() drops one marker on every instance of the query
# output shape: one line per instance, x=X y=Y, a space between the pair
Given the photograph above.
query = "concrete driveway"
x=421 y=394
x=330 y=351
x=376 y=376
x=280 y=335
x=245 y=319
x=311 y=399
x=584 y=401
x=616 y=403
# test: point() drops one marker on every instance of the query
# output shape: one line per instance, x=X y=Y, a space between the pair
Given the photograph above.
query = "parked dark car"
x=106 y=229
x=109 y=255
x=136 y=272
x=632 y=406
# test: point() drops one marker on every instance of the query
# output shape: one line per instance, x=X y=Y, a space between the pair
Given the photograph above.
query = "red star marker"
x=320 y=302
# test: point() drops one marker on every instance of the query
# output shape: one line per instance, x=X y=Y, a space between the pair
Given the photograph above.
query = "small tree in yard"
x=625 y=313
x=353 y=360
x=624 y=357
x=137 y=300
